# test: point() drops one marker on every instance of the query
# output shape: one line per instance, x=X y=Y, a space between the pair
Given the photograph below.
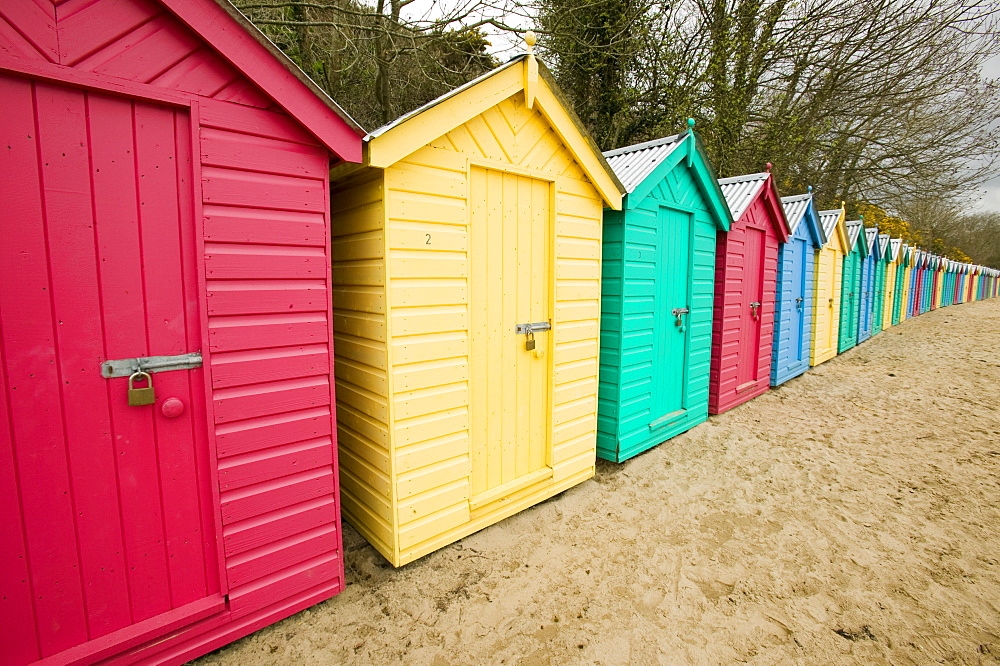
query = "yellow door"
x=510 y=284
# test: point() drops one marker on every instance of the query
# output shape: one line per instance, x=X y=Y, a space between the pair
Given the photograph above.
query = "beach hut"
x=866 y=301
x=658 y=288
x=851 y=286
x=829 y=275
x=889 y=304
x=467 y=258
x=793 y=310
x=901 y=290
x=745 y=290
x=937 y=276
x=929 y=288
x=879 y=286
x=168 y=468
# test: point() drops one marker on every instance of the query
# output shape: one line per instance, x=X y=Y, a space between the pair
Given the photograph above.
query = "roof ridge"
x=634 y=148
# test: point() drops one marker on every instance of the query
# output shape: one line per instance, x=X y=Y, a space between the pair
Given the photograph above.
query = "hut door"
x=753 y=292
x=510 y=283
x=673 y=323
x=110 y=534
x=798 y=356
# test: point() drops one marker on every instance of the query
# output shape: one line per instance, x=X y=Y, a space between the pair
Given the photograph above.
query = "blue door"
x=799 y=338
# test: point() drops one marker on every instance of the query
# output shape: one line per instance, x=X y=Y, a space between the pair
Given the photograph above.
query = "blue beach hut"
x=793 y=319
x=869 y=267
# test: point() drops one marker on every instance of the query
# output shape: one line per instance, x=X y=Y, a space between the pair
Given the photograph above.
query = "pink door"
x=753 y=295
x=106 y=510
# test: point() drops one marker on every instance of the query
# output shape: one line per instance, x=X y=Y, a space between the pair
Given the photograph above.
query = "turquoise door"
x=672 y=341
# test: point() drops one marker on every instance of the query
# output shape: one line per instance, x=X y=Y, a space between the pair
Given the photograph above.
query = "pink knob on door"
x=172 y=407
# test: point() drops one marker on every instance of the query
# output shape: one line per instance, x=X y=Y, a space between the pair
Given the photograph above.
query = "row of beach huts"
x=228 y=317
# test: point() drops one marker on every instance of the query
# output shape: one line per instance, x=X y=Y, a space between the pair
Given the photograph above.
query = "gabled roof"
x=896 y=245
x=835 y=219
x=871 y=240
x=641 y=167
x=801 y=208
x=632 y=164
x=854 y=234
x=883 y=245
x=392 y=142
x=741 y=191
x=239 y=41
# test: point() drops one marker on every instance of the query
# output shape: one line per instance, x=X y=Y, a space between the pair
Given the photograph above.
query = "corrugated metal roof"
x=795 y=209
x=740 y=191
x=897 y=245
x=828 y=220
x=633 y=163
x=854 y=228
x=883 y=244
x=870 y=236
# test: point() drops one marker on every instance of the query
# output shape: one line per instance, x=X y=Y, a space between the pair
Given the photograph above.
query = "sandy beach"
x=851 y=515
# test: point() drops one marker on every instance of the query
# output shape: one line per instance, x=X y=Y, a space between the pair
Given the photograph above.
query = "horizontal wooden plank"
x=256 y=153
x=250 y=501
x=239 y=297
x=261 y=331
x=264 y=465
x=260 y=366
x=246 y=436
x=255 y=190
x=234 y=224
x=259 y=122
x=245 y=402
x=225 y=261
x=282 y=554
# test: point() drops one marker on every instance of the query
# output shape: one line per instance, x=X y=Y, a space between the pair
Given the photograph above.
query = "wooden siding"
x=731 y=338
x=796 y=278
x=136 y=40
x=414 y=330
x=827 y=299
x=630 y=314
x=252 y=187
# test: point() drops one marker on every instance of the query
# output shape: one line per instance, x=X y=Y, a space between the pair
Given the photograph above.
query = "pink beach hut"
x=165 y=228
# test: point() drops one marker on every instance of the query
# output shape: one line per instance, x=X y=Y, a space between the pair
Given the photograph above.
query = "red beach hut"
x=165 y=207
x=745 y=285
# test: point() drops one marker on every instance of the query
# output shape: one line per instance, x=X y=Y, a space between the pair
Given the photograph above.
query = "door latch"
x=755 y=307
x=679 y=313
x=529 y=330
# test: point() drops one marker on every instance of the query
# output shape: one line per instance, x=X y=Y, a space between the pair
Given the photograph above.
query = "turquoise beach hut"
x=657 y=294
x=850 y=291
x=793 y=321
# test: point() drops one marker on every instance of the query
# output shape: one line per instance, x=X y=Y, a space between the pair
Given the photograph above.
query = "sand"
x=850 y=516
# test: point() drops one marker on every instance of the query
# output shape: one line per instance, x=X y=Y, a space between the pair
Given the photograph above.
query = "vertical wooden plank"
x=479 y=327
x=20 y=200
x=33 y=374
x=524 y=277
x=170 y=296
x=540 y=222
x=79 y=339
x=119 y=215
x=493 y=437
x=510 y=436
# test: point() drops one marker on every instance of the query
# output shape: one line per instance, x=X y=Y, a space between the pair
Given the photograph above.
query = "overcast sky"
x=991 y=195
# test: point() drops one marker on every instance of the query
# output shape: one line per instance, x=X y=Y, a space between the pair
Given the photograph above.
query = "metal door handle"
x=755 y=306
x=679 y=313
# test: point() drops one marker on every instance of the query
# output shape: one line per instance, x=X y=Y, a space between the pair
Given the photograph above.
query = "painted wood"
x=867 y=285
x=134 y=230
x=658 y=256
x=794 y=308
x=828 y=288
x=851 y=286
x=746 y=272
x=879 y=284
x=484 y=224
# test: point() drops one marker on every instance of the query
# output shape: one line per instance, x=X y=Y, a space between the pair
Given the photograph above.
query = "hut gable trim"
x=835 y=220
x=391 y=143
x=219 y=55
x=641 y=167
x=800 y=208
x=257 y=58
x=896 y=244
x=855 y=231
x=742 y=191
x=883 y=245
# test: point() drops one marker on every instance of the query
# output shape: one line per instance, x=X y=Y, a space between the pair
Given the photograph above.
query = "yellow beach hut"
x=826 y=298
x=891 y=268
x=467 y=273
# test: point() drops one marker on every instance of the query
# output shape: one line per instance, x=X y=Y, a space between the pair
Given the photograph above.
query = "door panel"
x=799 y=301
x=753 y=284
x=511 y=247
x=98 y=263
x=835 y=280
x=672 y=292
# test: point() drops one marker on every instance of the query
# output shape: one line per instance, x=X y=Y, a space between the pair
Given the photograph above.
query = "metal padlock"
x=529 y=342
x=140 y=396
